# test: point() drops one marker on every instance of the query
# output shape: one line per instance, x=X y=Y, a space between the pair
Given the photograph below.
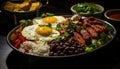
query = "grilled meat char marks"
x=94 y=21
x=79 y=39
x=93 y=27
x=103 y=28
x=97 y=29
x=92 y=32
x=85 y=34
x=86 y=22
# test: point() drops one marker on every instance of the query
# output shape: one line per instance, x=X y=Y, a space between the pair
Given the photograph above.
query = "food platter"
x=110 y=34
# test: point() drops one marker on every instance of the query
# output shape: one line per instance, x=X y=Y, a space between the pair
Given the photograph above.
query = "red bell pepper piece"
x=17 y=43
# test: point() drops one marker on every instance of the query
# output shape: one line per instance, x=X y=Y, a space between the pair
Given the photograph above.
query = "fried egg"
x=53 y=20
x=35 y=32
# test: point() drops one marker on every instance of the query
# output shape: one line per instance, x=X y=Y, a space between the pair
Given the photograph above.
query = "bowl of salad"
x=87 y=9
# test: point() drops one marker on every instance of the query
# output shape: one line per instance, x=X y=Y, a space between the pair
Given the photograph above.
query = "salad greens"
x=89 y=8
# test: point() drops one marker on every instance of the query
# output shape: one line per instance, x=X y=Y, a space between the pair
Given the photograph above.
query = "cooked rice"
x=35 y=48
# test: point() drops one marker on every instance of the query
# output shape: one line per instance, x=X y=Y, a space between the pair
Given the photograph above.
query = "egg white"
x=30 y=34
x=59 y=20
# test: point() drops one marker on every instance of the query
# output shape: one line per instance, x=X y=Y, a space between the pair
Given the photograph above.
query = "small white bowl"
x=112 y=20
x=112 y=12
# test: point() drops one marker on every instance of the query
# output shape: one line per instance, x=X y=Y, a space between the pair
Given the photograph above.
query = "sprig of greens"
x=46 y=14
x=58 y=26
x=43 y=15
x=65 y=35
x=70 y=26
x=25 y=22
x=82 y=27
x=49 y=25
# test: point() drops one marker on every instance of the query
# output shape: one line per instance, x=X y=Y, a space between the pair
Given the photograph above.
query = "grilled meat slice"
x=78 y=29
x=93 y=21
x=102 y=27
x=85 y=22
x=92 y=32
x=97 y=29
x=85 y=34
x=77 y=37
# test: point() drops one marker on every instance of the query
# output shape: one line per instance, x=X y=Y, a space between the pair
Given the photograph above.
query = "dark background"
x=105 y=58
x=108 y=4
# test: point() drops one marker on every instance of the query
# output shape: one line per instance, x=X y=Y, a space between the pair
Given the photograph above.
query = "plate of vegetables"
x=59 y=36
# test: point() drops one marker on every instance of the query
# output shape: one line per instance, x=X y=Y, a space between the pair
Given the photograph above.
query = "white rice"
x=35 y=48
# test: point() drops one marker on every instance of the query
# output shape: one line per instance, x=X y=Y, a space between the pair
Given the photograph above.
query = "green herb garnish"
x=82 y=27
x=58 y=26
x=25 y=22
x=46 y=14
x=49 y=25
x=70 y=26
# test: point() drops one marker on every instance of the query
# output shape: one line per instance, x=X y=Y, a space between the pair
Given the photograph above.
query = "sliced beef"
x=77 y=37
x=97 y=29
x=103 y=28
x=92 y=32
x=85 y=34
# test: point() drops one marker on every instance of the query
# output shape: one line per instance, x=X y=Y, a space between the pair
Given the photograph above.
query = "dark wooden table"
x=105 y=58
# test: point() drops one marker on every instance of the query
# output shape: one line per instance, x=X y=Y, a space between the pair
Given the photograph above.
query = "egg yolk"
x=49 y=19
x=44 y=31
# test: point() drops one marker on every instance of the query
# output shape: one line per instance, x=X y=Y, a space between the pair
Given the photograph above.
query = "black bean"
x=64 y=51
x=76 y=51
x=61 y=48
x=66 y=43
x=63 y=40
x=52 y=47
x=72 y=48
x=70 y=52
x=66 y=48
x=58 y=47
x=58 y=51
x=51 y=53
x=61 y=54
x=55 y=54
x=79 y=46
x=74 y=45
x=80 y=50
x=57 y=44
x=61 y=43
